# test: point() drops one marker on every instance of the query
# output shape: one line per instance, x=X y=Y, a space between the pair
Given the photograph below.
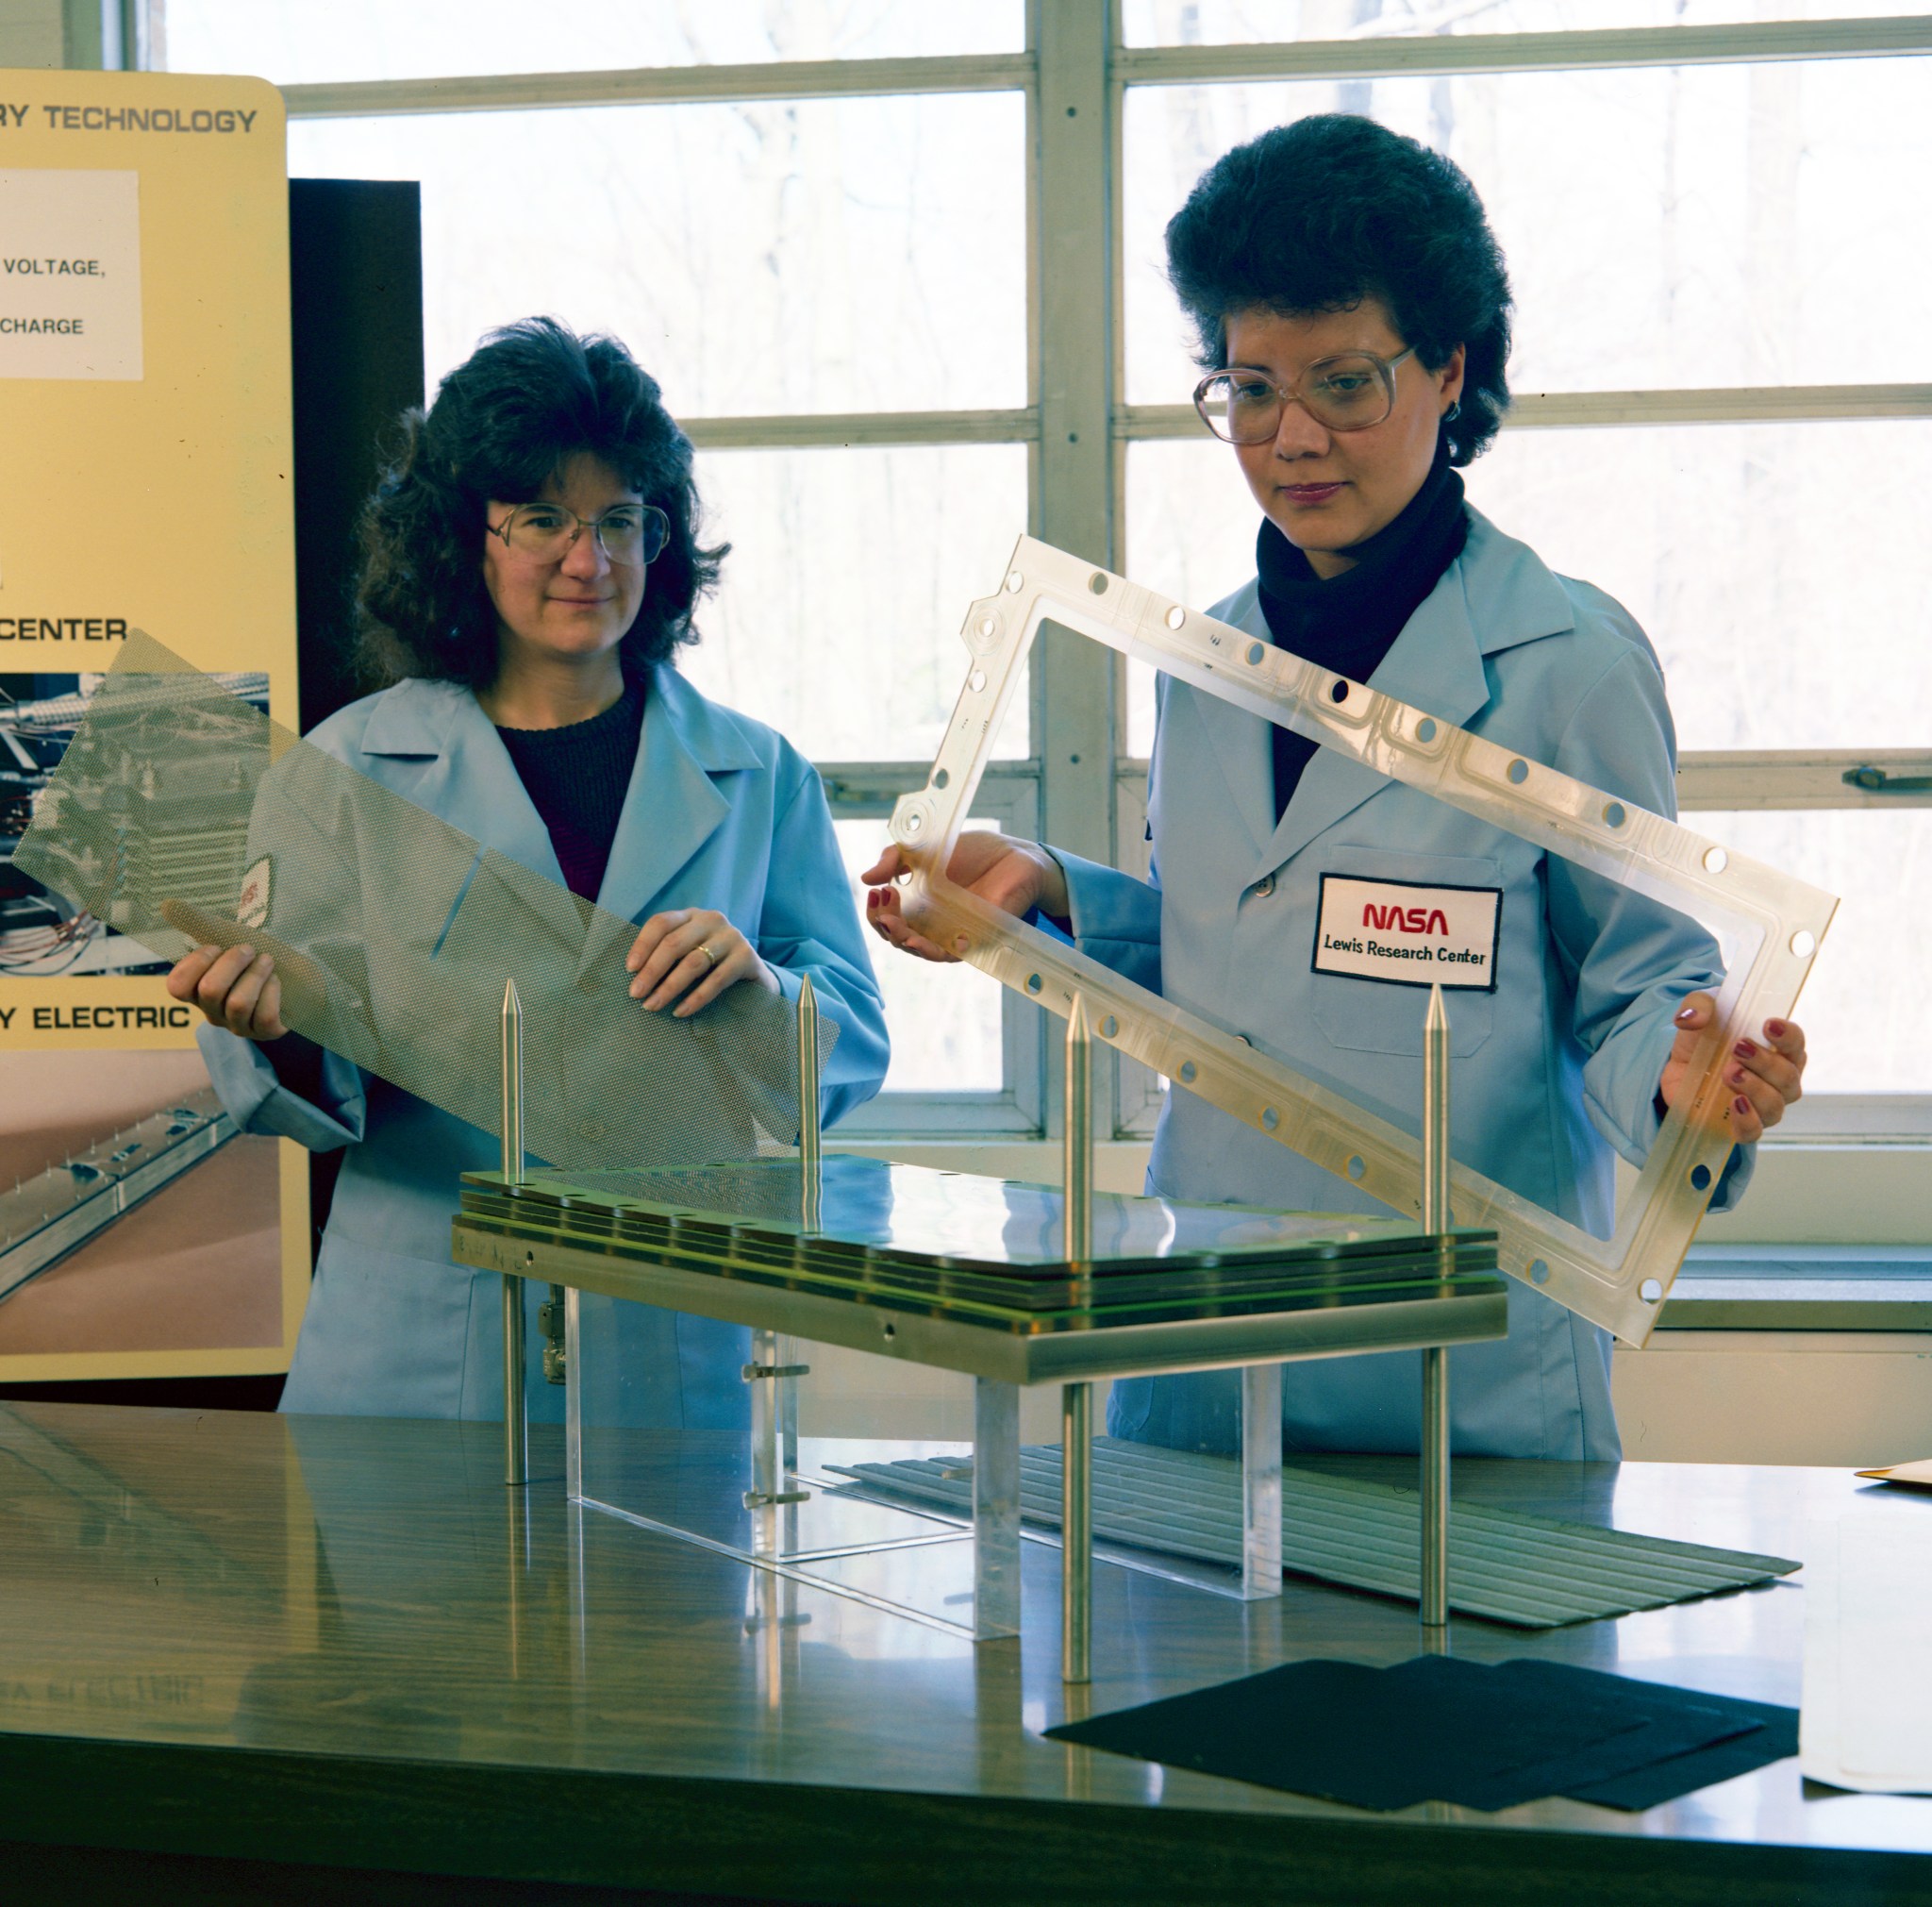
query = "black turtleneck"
x=576 y=778
x=1349 y=622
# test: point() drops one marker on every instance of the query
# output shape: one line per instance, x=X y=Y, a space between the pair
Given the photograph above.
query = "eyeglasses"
x=631 y=533
x=1353 y=390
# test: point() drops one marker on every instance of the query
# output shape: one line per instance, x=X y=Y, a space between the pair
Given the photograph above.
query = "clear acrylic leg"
x=1260 y=1481
x=995 y=1508
x=573 y=1395
x=788 y=1405
x=766 y=1454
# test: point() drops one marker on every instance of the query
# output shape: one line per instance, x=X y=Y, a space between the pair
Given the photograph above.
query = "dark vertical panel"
x=355 y=331
x=355 y=314
x=356 y=319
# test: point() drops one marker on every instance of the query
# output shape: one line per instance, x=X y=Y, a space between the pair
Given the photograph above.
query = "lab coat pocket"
x=1382 y=917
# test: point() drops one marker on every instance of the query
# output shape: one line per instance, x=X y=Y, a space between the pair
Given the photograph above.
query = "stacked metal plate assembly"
x=984 y=1253
x=1010 y=1283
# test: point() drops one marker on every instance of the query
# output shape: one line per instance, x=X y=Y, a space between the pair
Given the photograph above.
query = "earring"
x=1453 y=412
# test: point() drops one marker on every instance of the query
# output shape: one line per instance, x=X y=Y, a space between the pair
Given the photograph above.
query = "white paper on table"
x=1919 y=1472
x=1866 y=1720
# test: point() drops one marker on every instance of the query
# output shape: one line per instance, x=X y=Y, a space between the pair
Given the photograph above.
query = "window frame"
x=1079 y=788
x=1011 y=794
x=1708 y=780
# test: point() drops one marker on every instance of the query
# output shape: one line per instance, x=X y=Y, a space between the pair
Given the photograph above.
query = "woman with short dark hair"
x=1353 y=312
x=531 y=564
x=1318 y=215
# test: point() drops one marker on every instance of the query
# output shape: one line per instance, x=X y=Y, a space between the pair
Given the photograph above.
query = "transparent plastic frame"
x=1768 y=926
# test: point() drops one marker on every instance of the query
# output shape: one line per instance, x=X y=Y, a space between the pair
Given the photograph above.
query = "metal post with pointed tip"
x=1436 y=1220
x=1077 y=1162
x=1076 y=1400
x=516 y=1424
x=811 y=1170
x=811 y=1178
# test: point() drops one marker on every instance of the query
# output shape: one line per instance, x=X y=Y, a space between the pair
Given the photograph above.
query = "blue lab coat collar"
x=1436 y=663
x=670 y=809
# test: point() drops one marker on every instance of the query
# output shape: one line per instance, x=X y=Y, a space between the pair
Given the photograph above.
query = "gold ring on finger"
x=708 y=953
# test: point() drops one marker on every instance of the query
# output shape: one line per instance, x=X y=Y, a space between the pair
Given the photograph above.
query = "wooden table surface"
x=229 y=1640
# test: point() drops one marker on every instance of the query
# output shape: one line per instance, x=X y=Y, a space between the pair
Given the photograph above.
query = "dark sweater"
x=576 y=777
x=1349 y=622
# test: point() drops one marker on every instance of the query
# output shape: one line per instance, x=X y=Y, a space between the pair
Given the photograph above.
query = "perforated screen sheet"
x=181 y=816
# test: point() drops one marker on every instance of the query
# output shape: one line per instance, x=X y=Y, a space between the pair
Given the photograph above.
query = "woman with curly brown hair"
x=531 y=566
x=1353 y=313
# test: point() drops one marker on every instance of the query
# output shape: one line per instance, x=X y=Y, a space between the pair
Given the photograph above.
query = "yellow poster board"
x=147 y=483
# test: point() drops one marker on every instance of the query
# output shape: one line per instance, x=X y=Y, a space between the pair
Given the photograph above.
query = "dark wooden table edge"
x=747 y=1838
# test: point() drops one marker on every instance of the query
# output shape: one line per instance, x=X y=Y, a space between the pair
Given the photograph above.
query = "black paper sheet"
x=1772 y=1740
x=1441 y=1728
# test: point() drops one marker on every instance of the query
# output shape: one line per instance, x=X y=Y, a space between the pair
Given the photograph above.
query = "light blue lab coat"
x=1552 y=1075
x=721 y=812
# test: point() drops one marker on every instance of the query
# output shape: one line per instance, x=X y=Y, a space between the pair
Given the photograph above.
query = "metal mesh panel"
x=1508 y=1565
x=181 y=816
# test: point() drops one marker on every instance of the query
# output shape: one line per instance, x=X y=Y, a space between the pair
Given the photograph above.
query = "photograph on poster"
x=41 y=935
x=133 y=1215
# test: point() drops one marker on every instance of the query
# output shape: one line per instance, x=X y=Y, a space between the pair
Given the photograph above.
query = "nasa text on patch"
x=1406 y=934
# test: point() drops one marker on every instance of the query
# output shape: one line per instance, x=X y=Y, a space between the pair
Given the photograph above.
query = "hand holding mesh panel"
x=183 y=817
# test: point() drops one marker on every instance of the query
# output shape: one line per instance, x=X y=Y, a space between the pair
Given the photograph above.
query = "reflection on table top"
x=368 y=1589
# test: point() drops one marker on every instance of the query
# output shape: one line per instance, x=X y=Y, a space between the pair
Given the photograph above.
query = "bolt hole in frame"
x=1768 y=926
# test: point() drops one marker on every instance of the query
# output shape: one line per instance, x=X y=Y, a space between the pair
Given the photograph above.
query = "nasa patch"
x=1408 y=935
x=251 y=909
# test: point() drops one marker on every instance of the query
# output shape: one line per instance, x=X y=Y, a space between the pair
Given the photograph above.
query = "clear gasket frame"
x=1768 y=926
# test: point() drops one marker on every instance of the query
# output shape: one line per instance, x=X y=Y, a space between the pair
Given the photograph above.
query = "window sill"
x=1808 y=1288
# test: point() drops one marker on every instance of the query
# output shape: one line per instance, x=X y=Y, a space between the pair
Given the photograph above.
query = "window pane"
x=1778 y=568
x=1665 y=227
x=1211 y=23
x=1190 y=535
x=293 y=41
x=944 y=1020
x=839 y=617
x=1863 y=1011
x=767 y=256
x=1775 y=567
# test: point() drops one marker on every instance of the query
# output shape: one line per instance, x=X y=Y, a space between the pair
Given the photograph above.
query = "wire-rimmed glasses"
x=628 y=534
x=1351 y=390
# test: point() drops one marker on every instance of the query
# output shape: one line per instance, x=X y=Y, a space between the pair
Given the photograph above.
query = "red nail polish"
x=1686 y=1015
x=1742 y=1104
x=1775 y=1030
x=1744 y=1050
